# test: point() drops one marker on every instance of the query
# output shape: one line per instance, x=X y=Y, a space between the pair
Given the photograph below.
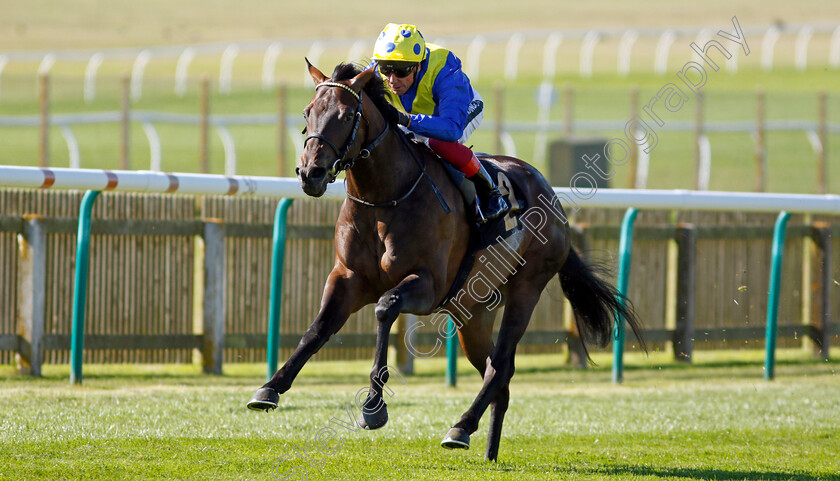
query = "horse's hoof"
x=265 y=399
x=374 y=420
x=456 y=438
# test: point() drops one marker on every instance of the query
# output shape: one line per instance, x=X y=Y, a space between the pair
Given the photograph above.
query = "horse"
x=400 y=238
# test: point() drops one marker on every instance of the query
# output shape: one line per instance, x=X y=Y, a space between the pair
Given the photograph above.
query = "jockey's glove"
x=403 y=118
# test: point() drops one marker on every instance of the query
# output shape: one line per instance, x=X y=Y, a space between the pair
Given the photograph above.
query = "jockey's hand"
x=403 y=118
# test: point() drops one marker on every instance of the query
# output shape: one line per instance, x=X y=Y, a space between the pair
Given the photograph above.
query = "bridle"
x=343 y=163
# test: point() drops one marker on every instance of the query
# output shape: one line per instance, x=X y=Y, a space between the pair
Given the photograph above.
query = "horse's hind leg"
x=522 y=298
x=498 y=408
x=477 y=341
x=414 y=294
x=476 y=338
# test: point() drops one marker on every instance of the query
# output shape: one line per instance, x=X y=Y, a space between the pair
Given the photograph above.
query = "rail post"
x=633 y=164
x=625 y=251
x=822 y=133
x=451 y=354
x=822 y=239
x=499 y=96
x=698 y=136
x=44 y=122
x=278 y=255
x=282 y=133
x=77 y=339
x=125 y=123
x=204 y=126
x=31 y=297
x=405 y=358
x=568 y=110
x=213 y=339
x=683 y=339
x=773 y=296
x=760 y=141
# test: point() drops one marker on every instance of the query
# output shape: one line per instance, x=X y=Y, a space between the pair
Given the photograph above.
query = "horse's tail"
x=595 y=302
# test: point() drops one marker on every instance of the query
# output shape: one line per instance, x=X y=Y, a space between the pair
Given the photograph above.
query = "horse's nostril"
x=297 y=171
x=317 y=173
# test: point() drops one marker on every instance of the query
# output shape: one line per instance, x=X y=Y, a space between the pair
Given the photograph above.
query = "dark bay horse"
x=396 y=246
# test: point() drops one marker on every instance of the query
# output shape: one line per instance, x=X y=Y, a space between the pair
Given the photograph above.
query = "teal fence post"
x=451 y=354
x=625 y=251
x=278 y=254
x=773 y=296
x=77 y=341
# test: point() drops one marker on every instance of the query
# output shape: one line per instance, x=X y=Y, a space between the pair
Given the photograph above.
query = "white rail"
x=206 y=184
x=514 y=45
x=226 y=68
x=269 y=61
x=137 y=74
x=303 y=43
x=181 y=69
x=90 y=76
x=587 y=52
x=514 y=42
x=155 y=182
x=663 y=47
x=625 y=49
x=550 y=55
x=295 y=121
x=473 y=59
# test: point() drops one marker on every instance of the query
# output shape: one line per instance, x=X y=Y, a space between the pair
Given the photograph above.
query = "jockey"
x=436 y=102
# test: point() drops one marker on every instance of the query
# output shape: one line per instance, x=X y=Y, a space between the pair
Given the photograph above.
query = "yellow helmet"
x=401 y=43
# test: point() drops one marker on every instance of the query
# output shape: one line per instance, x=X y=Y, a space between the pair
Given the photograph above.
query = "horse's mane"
x=375 y=89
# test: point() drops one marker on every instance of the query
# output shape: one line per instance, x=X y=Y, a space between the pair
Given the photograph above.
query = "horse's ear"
x=359 y=81
x=316 y=74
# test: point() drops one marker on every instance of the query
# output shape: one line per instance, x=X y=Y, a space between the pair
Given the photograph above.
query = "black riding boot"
x=491 y=202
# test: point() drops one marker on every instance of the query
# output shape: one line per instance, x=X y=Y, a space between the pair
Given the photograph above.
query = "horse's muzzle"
x=313 y=180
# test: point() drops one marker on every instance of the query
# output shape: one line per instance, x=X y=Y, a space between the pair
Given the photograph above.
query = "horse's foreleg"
x=414 y=294
x=342 y=296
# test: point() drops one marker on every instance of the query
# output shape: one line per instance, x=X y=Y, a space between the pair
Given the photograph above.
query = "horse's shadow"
x=708 y=473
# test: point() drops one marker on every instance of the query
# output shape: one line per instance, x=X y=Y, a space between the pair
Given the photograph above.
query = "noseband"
x=343 y=163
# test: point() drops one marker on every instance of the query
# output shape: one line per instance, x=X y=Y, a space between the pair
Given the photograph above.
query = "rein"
x=342 y=163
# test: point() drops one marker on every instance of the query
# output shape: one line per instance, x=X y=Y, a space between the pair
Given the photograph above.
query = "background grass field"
x=94 y=24
x=716 y=420
x=50 y=24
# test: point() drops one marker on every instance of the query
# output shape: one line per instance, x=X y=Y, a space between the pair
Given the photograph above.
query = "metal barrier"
x=773 y=294
x=625 y=253
x=625 y=258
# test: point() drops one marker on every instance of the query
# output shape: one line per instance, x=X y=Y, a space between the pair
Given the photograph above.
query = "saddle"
x=487 y=234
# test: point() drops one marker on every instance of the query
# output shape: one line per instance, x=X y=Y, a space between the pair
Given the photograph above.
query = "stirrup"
x=483 y=219
x=480 y=219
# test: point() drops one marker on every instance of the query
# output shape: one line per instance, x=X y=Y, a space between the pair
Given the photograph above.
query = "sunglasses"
x=400 y=72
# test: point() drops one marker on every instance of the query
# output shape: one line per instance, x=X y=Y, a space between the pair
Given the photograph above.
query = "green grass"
x=729 y=98
x=791 y=94
x=44 y=24
x=717 y=419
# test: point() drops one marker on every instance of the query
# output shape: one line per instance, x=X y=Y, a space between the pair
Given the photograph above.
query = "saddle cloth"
x=485 y=235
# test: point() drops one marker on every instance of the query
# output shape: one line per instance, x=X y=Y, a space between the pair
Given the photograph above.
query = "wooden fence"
x=146 y=281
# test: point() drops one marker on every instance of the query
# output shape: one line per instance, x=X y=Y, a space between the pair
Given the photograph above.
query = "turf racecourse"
x=716 y=420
